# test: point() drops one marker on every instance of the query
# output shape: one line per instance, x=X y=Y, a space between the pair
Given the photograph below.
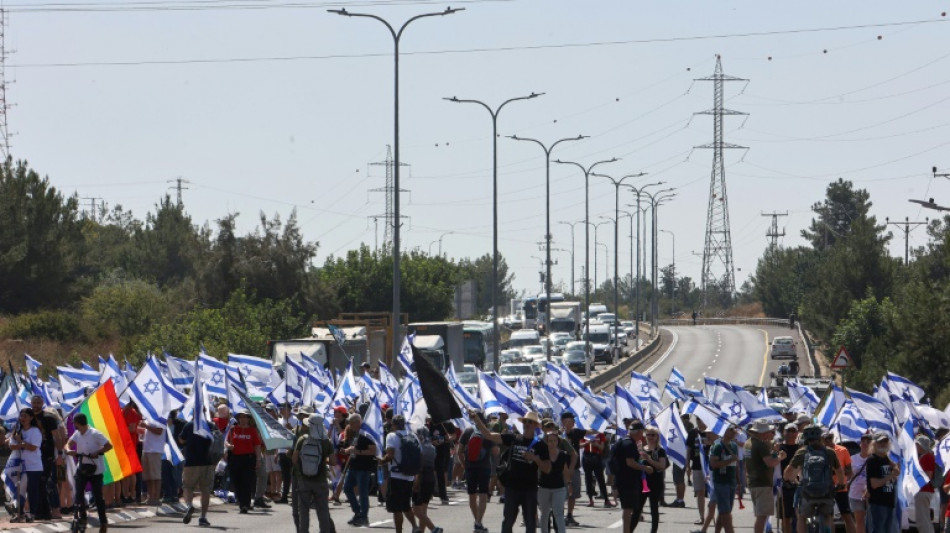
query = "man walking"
x=628 y=473
x=761 y=460
x=574 y=435
x=841 y=494
x=476 y=452
x=723 y=461
x=362 y=464
x=814 y=465
x=198 y=475
x=91 y=444
x=312 y=457
x=404 y=463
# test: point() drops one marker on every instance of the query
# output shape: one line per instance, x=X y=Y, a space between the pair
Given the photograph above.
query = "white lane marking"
x=616 y=525
x=665 y=354
x=381 y=522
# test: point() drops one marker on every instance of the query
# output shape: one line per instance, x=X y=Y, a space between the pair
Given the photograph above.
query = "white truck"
x=566 y=318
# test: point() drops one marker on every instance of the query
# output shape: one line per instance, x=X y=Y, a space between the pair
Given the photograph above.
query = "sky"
x=271 y=106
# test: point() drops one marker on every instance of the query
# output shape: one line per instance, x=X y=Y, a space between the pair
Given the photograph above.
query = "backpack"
x=311 y=457
x=475 y=449
x=816 y=475
x=503 y=469
x=613 y=461
x=411 y=455
x=216 y=448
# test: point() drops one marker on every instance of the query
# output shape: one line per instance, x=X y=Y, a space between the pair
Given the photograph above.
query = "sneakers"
x=361 y=522
x=203 y=522
x=416 y=530
x=445 y=501
x=608 y=504
x=478 y=528
x=353 y=520
x=437 y=530
x=260 y=502
x=188 y=513
x=569 y=521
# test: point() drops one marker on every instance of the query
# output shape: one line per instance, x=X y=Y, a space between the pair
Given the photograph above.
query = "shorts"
x=679 y=476
x=629 y=498
x=858 y=505
x=197 y=479
x=426 y=488
x=61 y=472
x=493 y=460
x=824 y=507
x=763 y=502
x=271 y=463
x=476 y=480
x=787 y=509
x=398 y=496
x=699 y=482
x=724 y=494
x=152 y=466
x=843 y=502
x=575 y=490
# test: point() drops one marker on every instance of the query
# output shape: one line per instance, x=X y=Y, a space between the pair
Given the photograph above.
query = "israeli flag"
x=109 y=369
x=755 y=409
x=715 y=420
x=171 y=452
x=834 y=402
x=877 y=415
x=627 y=406
x=373 y=426
x=73 y=391
x=154 y=396
x=848 y=424
x=10 y=403
x=12 y=473
x=912 y=477
x=406 y=402
x=942 y=452
x=802 y=397
x=587 y=417
x=486 y=395
x=32 y=365
x=87 y=378
x=647 y=393
x=181 y=372
x=199 y=414
x=278 y=395
x=405 y=353
x=295 y=376
x=214 y=375
x=900 y=386
x=505 y=395
x=548 y=399
x=672 y=434
x=338 y=334
x=465 y=399
x=252 y=368
x=347 y=389
x=599 y=407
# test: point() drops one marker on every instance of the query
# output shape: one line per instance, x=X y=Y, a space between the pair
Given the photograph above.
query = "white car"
x=512 y=371
x=783 y=347
x=533 y=352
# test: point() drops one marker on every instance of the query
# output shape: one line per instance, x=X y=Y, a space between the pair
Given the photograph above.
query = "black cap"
x=365 y=364
x=567 y=414
x=636 y=425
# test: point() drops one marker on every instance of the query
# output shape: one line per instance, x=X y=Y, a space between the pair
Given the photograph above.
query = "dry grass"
x=53 y=353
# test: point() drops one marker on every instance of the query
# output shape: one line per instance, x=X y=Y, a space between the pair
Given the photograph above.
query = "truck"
x=359 y=346
x=452 y=334
x=566 y=317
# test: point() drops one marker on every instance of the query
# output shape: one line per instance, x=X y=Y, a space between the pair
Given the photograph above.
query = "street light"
x=439 y=240
x=547 y=224
x=673 y=274
x=940 y=174
x=396 y=35
x=571 y=224
x=587 y=171
x=597 y=225
x=494 y=262
x=617 y=183
x=655 y=200
x=639 y=190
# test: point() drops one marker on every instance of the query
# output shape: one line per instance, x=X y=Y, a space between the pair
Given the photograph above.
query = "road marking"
x=765 y=358
x=381 y=522
x=666 y=354
x=616 y=525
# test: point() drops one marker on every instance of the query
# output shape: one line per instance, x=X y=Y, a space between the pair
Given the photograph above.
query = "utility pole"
x=4 y=105
x=389 y=192
x=773 y=233
x=908 y=226
x=178 y=187
x=92 y=206
x=718 y=247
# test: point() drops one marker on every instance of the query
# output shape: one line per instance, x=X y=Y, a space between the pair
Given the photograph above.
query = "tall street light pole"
x=571 y=224
x=636 y=281
x=496 y=335
x=587 y=171
x=597 y=225
x=673 y=274
x=397 y=276
x=655 y=200
x=617 y=183
x=547 y=225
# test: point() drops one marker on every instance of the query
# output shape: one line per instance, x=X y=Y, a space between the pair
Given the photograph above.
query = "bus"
x=529 y=312
x=543 y=307
x=478 y=340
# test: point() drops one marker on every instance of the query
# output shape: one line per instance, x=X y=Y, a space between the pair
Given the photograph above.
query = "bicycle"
x=79 y=522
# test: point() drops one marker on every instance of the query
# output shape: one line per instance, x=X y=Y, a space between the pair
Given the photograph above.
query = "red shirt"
x=132 y=419
x=928 y=463
x=596 y=444
x=222 y=423
x=244 y=440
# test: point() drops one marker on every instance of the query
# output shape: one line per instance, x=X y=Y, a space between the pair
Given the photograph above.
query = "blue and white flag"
x=295 y=377
x=171 y=452
x=506 y=396
x=875 y=413
x=199 y=413
x=715 y=420
x=466 y=400
x=347 y=389
x=587 y=414
x=833 y=403
x=486 y=396
x=214 y=375
x=902 y=386
x=802 y=397
x=13 y=479
x=252 y=368
x=942 y=452
x=407 y=399
x=73 y=391
x=849 y=425
x=373 y=426
x=672 y=434
x=32 y=365
x=627 y=407
x=405 y=353
x=109 y=368
x=181 y=372
x=154 y=397
x=599 y=407
x=647 y=393
x=88 y=378
x=338 y=334
x=10 y=403
x=913 y=477
x=674 y=383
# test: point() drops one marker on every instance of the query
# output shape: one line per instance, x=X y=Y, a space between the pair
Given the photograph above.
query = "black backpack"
x=410 y=455
x=816 y=475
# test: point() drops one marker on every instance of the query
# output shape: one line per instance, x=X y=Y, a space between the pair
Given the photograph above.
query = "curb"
x=116 y=517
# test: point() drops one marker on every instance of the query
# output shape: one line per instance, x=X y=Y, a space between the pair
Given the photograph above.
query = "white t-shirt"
x=32 y=461
x=153 y=442
x=860 y=474
x=392 y=441
x=89 y=443
x=293 y=422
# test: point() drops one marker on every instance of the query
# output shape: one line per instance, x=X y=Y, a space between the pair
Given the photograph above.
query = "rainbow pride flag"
x=102 y=410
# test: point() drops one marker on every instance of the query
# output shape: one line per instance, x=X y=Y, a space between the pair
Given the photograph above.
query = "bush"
x=52 y=325
x=124 y=308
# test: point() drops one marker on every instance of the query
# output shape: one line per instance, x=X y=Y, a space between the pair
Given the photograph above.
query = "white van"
x=596 y=309
x=524 y=337
x=599 y=335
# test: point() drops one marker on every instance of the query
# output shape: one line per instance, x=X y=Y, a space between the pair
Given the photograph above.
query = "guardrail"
x=612 y=374
x=810 y=350
x=711 y=321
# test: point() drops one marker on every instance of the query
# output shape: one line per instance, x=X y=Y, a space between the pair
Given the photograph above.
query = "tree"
x=782 y=277
x=842 y=207
x=167 y=248
x=38 y=229
x=479 y=270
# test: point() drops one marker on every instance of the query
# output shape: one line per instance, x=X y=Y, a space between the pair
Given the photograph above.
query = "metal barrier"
x=715 y=321
x=615 y=372
x=810 y=351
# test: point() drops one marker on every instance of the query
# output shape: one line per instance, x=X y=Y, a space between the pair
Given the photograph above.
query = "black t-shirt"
x=575 y=436
x=196 y=447
x=627 y=478
x=487 y=445
x=692 y=446
x=789 y=450
x=555 y=478
x=441 y=438
x=524 y=475
x=47 y=424
x=655 y=480
x=363 y=462
x=878 y=468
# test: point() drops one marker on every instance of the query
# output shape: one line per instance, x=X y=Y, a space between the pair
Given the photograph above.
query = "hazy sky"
x=270 y=105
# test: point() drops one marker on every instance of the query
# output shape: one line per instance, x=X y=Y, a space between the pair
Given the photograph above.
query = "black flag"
x=435 y=389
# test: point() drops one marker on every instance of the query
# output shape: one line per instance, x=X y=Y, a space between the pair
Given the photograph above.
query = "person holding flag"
x=628 y=471
x=761 y=459
x=655 y=456
x=88 y=446
x=360 y=466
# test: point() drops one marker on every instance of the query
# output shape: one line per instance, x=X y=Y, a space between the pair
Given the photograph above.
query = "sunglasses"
x=652 y=435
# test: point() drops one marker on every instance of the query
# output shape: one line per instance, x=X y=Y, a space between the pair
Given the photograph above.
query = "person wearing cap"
x=574 y=435
x=312 y=491
x=399 y=486
x=723 y=463
x=924 y=499
x=841 y=495
x=882 y=486
x=478 y=472
x=361 y=465
x=289 y=422
x=790 y=445
x=808 y=506
x=526 y=457
x=761 y=459
x=628 y=479
x=365 y=368
x=857 y=491
x=695 y=448
x=244 y=458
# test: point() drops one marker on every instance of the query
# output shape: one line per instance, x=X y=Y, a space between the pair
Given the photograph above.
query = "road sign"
x=842 y=360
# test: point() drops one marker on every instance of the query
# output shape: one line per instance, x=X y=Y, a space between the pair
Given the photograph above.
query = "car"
x=628 y=327
x=511 y=355
x=620 y=338
x=560 y=343
x=576 y=361
x=533 y=352
x=607 y=318
x=468 y=381
x=510 y=372
x=783 y=347
x=599 y=336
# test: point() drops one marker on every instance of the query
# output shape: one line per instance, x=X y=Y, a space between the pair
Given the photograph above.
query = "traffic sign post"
x=842 y=360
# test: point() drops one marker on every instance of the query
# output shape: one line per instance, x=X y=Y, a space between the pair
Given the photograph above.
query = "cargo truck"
x=566 y=318
x=452 y=334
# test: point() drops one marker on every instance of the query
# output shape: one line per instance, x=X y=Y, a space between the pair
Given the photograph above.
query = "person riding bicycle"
x=814 y=467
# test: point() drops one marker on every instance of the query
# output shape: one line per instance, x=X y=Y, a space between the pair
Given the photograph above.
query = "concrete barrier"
x=624 y=366
x=715 y=321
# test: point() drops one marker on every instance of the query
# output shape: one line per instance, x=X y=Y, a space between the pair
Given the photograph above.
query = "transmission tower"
x=4 y=105
x=178 y=187
x=93 y=207
x=773 y=233
x=718 y=270
x=388 y=189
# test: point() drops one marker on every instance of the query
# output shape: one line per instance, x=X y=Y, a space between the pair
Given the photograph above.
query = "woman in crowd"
x=244 y=458
x=26 y=439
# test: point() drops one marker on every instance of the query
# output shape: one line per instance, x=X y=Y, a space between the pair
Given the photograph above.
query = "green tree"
x=782 y=278
x=479 y=270
x=869 y=335
x=38 y=229
x=125 y=308
x=167 y=248
x=842 y=207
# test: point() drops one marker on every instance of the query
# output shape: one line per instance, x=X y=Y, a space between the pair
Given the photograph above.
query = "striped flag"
x=672 y=434
x=102 y=411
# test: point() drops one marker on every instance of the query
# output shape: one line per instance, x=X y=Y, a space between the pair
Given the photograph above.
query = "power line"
x=208 y=5
x=476 y=50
